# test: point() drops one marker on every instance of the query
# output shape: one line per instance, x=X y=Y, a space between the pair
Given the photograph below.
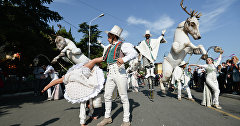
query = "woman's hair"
x=235 y=58
x=209 y=58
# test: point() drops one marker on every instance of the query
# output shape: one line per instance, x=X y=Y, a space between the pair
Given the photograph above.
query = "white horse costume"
x=182 y=44
x=70 y=53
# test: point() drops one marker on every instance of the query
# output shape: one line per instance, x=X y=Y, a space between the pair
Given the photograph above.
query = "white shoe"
x=191 y=99
x=217 y=106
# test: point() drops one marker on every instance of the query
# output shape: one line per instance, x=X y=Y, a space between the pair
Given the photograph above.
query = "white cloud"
x=163 y=22
x=212 y=14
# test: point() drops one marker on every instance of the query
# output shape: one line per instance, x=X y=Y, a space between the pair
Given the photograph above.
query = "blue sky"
x=219 y=23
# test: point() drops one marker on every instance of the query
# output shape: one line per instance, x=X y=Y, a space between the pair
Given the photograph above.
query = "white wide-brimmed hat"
x=183 y=63
x=147 y=32
x=116 y=30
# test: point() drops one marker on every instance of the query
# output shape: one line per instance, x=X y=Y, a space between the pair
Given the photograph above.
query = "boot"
x=105 y=121
x=126 y=124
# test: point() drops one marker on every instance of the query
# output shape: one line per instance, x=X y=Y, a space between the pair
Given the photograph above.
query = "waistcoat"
x=113 y=52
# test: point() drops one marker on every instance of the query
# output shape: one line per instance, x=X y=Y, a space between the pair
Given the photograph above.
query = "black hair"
x=210 y=58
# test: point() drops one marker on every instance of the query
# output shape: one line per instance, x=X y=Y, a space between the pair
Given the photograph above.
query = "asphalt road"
x=27 y=110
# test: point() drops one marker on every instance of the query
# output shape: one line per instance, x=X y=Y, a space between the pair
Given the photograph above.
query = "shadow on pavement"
x=49 y=122
x=16 y=125
x=71 y=108
x=17 y=101
x=100 y=111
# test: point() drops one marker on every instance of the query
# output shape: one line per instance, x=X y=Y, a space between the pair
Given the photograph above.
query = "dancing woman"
x=57 y=91
x=82 y=82
x=211 y=78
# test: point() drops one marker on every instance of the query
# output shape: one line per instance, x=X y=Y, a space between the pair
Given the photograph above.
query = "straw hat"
x=116 y=30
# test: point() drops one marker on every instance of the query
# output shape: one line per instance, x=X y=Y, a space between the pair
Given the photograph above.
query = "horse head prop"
x=69 y=51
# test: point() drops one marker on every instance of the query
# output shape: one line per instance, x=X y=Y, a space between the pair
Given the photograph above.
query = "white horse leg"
x=167 y=72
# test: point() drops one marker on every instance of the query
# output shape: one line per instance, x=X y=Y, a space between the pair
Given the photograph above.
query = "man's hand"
x=99 y=42
x=120 y=61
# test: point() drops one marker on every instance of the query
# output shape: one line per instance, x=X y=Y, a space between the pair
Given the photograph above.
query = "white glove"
x=99 y=42
x=163 y=31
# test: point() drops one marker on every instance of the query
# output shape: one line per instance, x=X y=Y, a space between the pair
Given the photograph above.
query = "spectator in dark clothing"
x=157 y=79
x=228 y=75
x=222 y=83
x=38 y=82
x=201 y=78
x=195 y=76
x=220 y=78
x=235 y=74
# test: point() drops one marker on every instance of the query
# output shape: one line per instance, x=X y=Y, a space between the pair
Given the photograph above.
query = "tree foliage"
x=96 y=50
x=63 y=32
x=24 y=28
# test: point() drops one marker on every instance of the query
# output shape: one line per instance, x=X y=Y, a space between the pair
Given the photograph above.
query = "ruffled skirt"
x=81 y=83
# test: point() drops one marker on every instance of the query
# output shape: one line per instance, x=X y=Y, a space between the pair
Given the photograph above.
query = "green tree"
x=24 y=28
x=63 y=32
x=96 y=50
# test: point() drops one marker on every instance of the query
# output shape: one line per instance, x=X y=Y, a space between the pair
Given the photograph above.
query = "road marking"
x=236 y=117
x=233 y=116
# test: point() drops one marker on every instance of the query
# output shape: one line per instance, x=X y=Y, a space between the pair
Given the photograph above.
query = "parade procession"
x=154 y=63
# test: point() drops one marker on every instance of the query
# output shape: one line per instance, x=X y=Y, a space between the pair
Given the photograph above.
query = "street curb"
x=16 y=94
x=237 y=97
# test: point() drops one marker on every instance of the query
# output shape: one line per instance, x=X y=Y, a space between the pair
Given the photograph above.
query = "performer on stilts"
x=149 y=49
x=116 y=55
x=82 y=82
x=180 y=78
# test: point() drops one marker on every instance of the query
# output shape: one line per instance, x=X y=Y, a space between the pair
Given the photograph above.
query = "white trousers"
x=49 y=92
x=82 y=113
x=116 y=77
x=185 y=86
x=211 y=81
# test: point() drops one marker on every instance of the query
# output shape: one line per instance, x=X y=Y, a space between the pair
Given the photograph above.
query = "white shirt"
x=150 y=54
x=178 y=74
